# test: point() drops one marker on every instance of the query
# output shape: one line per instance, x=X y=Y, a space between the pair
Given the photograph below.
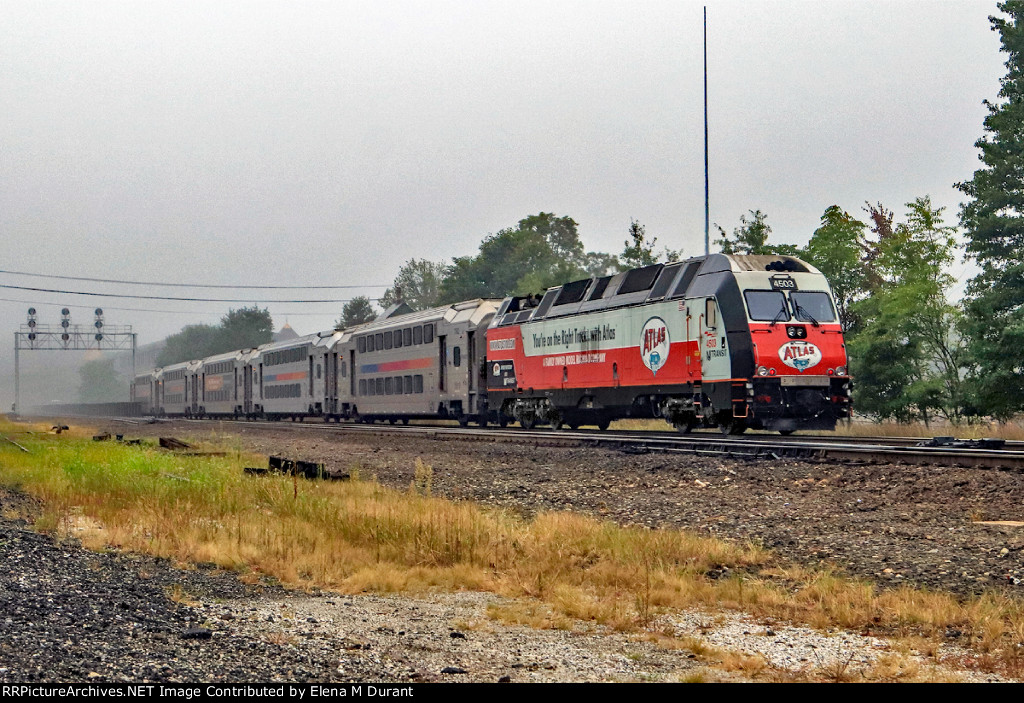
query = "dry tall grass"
x=359 y=535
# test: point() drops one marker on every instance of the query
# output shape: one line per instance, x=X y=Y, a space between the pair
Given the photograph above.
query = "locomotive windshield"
x=812 y=306
x=767 y=305
x=772 y=306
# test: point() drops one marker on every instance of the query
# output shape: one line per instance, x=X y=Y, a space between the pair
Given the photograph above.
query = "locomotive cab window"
x=812 y=306
x=710 y=314
x=767 y=305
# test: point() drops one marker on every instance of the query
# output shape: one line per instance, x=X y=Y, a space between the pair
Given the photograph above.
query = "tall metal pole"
x=17 y=377
x=707 y=208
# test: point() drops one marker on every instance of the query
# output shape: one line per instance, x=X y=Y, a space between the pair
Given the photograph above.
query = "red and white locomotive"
x=730 y=341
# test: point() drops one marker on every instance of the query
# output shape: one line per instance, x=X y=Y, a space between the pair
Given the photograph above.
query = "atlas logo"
x=655 y=344
x=800 y=355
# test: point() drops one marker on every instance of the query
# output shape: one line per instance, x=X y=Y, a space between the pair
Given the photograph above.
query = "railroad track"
x=753 y=446
x=750 y=446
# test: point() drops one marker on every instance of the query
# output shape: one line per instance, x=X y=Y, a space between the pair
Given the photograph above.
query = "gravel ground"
x=67 y=614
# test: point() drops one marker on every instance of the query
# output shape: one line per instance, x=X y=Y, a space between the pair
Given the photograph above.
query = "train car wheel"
x=503 y=422
x=684 y=427
x=603 y=424
x=528 y=422
x=463 y=421
x=786 y=433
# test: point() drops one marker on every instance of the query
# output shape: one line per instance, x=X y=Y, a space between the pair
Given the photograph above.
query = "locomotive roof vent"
x=761 y=262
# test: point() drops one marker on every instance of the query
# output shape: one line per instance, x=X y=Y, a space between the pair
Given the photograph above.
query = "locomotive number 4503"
x=783 y=283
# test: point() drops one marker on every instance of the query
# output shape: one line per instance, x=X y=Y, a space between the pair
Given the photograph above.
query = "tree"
x=543 y=250
x=836 y=249
x=993 y=222
x=239 y=329
x=356 y=312
x=751 y=237
x=193 y=342
x=905 y=353
x=100 y=383
x=245 y=328
x=418 y=284
x=638 y=251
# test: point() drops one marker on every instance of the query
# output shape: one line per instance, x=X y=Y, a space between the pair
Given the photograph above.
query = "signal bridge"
x=32 y=336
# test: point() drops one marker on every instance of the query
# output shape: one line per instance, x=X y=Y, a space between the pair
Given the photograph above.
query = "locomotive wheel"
x=603 y=424
x=528 y=422
x=733 y=426
x=503 y=422
x=463 y=421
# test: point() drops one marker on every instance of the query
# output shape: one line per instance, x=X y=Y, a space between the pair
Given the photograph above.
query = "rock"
x=453 y=670
x=196 y=633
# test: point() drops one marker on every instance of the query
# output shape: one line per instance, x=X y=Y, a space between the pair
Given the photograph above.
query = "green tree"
x=356 y=312
x=837 y=249
x=638 y=250
x=100 y=383
x=993 y=222
x=193 y=342
x=905 y=353
x=751 y=237
x=239 y=329
x=244 y=328
x=542 y=251
x=418 y=284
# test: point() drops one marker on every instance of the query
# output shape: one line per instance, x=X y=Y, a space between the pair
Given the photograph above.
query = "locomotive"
x=727 y=341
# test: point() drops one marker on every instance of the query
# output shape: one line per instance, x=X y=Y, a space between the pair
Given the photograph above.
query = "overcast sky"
x=302 y=143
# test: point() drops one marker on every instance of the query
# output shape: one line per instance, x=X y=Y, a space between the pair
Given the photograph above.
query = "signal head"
x=99 y=311
x=31 y=311
x=65 y=312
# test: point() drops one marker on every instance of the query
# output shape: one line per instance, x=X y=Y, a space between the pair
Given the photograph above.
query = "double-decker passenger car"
x=722 y=340
x=144 y=392
x=281 y=377
x=220 y=385
x=426 y=364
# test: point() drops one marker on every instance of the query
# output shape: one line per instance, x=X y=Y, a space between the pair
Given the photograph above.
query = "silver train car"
x=281 y=379
x=401 y=366
x=426 y=364
x=220 y=382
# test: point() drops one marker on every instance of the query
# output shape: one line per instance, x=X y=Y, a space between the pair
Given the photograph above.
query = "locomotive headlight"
x=762 y=370
x=840 y=371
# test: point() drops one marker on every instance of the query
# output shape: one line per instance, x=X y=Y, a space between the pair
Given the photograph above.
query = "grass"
x=357 y=536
